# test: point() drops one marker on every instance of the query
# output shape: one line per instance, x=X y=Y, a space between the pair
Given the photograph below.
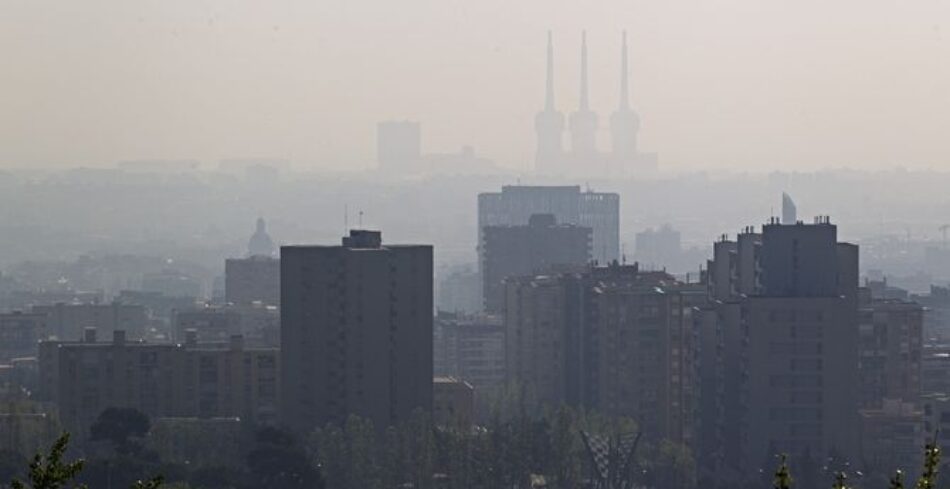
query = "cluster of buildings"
x=774 y=346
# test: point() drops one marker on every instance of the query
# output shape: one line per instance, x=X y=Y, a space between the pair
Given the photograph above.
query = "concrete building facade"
x=540 y=246
x=356 y=331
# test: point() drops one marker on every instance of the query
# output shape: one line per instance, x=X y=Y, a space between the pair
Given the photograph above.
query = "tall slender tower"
x=624 y=122
x=584 y=121
x=549 y=124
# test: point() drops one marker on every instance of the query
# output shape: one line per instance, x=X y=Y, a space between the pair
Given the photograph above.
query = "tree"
x=119 y=426
x=928 y=478
x=783 y=477
x=278 y=461
x=49 y=471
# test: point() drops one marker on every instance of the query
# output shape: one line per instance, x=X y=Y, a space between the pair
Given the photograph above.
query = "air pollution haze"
x=455 y=244
x=730 y=84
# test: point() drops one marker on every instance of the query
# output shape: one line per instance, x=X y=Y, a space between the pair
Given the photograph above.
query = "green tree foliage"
x=928 y=478
x=277 y=460
x=50 y=471
x=897 y=482
x=783 y=477
x=121 y=427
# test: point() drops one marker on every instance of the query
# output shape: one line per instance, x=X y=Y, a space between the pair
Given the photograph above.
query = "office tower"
x=787 y=302
x=255 y=279
x=514 y=205
x=542 y=245
x=613 y=339
x=549 y=123
x=398 y=145
x=260 y=243
x=789 y=210
x=69 y=321
x=356 y=331
x=583 y=121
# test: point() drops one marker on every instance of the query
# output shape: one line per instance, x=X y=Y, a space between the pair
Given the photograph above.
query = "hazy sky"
x=718 y=83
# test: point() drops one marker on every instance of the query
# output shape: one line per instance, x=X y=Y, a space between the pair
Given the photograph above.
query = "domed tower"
x=260 y=242
x=549 y=123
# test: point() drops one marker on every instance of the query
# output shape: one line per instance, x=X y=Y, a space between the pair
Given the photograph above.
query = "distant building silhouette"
x=399 y=152
x=515 y=204
x=584 y=158
x=261 y=243
x=549 y=123
x=356 y=331
x=252 y=279
x=789 y=211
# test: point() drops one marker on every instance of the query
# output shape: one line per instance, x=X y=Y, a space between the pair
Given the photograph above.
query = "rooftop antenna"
x=346 y=219
x=361 y=219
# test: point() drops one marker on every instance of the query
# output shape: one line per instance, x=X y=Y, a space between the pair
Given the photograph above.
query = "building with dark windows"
x=784 y=311
x=515 y=205
x=255 y=279
x=69 y=321
x=188 y=379
x=20 y=333
x=542 y=245
x=356 y=331
x=614 y=339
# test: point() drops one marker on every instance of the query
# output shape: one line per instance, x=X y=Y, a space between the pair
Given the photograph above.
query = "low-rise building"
x=162 y=380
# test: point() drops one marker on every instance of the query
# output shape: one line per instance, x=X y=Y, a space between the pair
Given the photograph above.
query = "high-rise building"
x=514 y=205
x=786 y=301
x=658 y=248
x=471 y=348
x=252 y=279
x=890 y=352
x=541 y=245
x=356 y=331
x=613 y=339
